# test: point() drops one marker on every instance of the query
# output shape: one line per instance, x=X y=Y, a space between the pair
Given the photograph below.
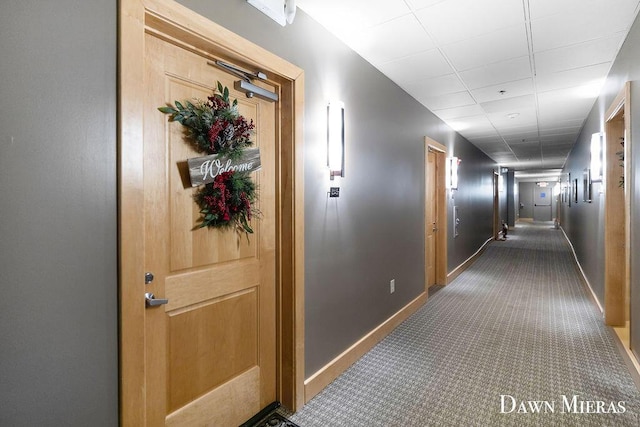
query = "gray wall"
x=58 y=253
x=584 y=222
x=58 y=263
x=374 y=231
x=512 y=199
x=474 y=200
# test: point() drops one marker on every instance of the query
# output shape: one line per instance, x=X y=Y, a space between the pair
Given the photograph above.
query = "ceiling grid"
x=517 y=79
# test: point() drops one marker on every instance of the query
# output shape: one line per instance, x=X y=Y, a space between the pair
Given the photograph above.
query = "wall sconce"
x=335 y=138
x=501 y=172
x=596 y=157
x=452 y=172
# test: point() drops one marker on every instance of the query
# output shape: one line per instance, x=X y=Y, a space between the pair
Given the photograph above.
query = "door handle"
x=150 y=300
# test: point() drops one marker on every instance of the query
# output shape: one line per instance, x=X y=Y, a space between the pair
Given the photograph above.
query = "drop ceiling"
x=517 y=78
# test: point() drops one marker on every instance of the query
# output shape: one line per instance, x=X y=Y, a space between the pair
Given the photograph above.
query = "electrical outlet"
x=334 y=192
x=392 y=286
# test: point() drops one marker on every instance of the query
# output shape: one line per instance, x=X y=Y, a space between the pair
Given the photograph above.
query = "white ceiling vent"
x=281 y=11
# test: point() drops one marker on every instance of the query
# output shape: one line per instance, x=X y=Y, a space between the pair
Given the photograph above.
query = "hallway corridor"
x=515 y=334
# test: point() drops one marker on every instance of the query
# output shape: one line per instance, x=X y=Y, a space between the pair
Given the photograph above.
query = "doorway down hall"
x=514 y=340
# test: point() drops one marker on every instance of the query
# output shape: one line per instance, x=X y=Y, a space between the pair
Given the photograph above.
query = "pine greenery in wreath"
x=216 y=127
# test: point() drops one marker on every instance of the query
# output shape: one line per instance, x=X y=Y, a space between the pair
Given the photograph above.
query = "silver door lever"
x=150 y=300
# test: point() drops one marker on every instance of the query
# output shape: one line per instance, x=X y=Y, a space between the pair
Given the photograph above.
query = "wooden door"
x=431 y=221
x=210 y=355
x=617 y=273
x=435 y=233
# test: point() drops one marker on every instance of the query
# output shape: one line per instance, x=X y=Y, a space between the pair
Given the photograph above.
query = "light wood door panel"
x=210 y=352
x=435 y=216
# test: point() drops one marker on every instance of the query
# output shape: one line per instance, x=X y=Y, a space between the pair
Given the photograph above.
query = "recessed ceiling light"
x=513 y=115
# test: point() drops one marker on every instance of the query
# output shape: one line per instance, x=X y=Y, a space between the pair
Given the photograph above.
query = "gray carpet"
x=519 y=324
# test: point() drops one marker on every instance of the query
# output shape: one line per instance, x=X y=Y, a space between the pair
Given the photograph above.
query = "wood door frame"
x=617 y=257
x=441 y=194
x=496 y=205
x=180 y=25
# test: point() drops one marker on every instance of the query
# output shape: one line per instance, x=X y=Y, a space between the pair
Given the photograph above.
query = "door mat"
x=270 y=417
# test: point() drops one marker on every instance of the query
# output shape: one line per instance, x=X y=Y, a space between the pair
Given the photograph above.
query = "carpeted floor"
x=515 y=332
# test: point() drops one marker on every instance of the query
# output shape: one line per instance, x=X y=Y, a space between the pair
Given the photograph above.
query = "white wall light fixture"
x=281 y=11
x=501 y=172
x=335 y=138
x=596 y=157
x=452 y=172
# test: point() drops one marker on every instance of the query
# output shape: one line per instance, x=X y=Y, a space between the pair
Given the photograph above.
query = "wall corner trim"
x=318 y=381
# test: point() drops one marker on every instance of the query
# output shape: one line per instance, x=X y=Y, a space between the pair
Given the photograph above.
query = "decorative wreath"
x=215 y=127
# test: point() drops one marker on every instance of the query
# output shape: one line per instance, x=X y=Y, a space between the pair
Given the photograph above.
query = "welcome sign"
x=203 y=170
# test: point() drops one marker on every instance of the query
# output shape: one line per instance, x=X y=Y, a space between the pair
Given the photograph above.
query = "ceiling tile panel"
x=508 y=125
x=526 y=151
x=524 y=117
x=496 y=73
x=556 y=133
x=416 y=67
x=380 y=43
x=557 y=145
x=566 y=140
x=528 y=137
x=510 y=105
x=455 y=56
x=512 y=132
x=542 y=8
x=563 y=113
x=516 y=132
x=511 y=90
x=500 y=45
x=585 y=24
x=456 y=113
x=579 y=55
x=346 y=17
x=563 y=104
x=456 y=20
x=434 y=87
x=555 y=154
x=487 y=138
x=421 y=4
x=453 y=100
x=551 y=124
x=571 y=78
x=505 y=155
